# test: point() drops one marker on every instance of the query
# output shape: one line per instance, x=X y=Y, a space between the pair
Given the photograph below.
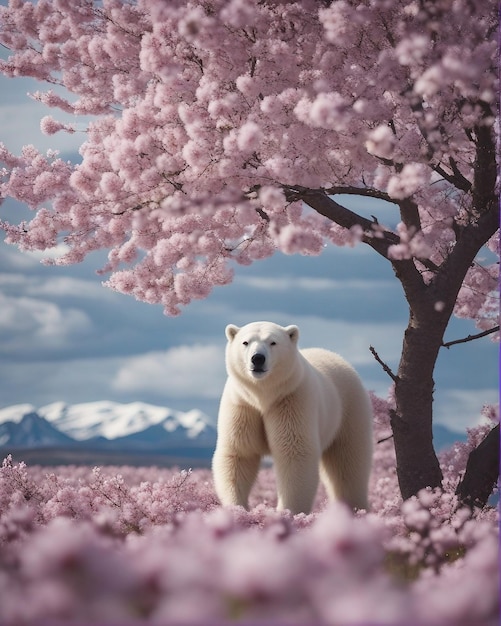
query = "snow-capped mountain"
x=113 y=420
x=104 y=424
x=31 y=430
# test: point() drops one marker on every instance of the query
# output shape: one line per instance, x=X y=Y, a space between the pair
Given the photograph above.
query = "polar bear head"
x=260 y=350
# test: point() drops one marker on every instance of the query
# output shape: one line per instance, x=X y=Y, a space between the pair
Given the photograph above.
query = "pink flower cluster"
x=198 y=107
x=141 y=545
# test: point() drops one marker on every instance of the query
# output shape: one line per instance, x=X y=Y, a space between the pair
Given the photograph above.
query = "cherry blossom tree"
x=226 y=130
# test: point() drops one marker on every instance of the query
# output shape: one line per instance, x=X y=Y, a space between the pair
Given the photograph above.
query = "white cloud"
x=352 y=340
x=29 y=323
x=182 y=371
x=20 y=125
x=459 y=409
x=20 y=117
x=14 y=258
x=59 y=286
x=67 y=286
x=293 y=284
x=26 y=260
x=45 y=381
x=50 y=253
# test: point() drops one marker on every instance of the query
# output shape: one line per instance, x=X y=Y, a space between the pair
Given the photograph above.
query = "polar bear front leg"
x=296 y=458
x=240 y=445
x=234 y=476
x=297 y=482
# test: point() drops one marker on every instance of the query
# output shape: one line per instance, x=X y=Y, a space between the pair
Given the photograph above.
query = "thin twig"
x=385 y=439
x=383 y=365
x=448 y=344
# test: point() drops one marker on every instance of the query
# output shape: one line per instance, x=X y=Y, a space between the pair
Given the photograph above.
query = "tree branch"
x=448 y=344
x=460 y=181
x=385 y=439
x=374 y=235
x=366 y=192
x=485 y=167
x=456 y=179
x=470 y=239
x=482 y=472
x=409 y=214
x=320 y=201
x=385 y=367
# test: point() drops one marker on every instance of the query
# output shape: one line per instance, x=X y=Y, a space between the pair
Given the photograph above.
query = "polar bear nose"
x=258 y=360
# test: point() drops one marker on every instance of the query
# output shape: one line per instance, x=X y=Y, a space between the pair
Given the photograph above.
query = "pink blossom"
x=326 y=111
x=238 y=13
x=110 y=183
x=196 y=155
x=412 y=177
x=272 y=198
x=413 y=49
x=249 y=137
x=50 y=126
x=293 y=238
x=381 y=142
x=430 y=81
x=337 y=21
x=53 y=100
x=412 y=244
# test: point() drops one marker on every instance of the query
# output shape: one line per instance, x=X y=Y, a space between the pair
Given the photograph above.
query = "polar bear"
x=307 y=408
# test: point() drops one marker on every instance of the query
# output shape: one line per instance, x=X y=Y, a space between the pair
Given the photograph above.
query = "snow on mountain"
x=113 y=420
x=15 y=413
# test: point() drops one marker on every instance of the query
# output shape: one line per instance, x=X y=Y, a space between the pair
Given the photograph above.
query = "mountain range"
x=108 y=432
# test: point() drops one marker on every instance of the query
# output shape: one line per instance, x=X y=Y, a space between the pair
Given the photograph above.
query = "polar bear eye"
x=273 y=343
x=245 y=343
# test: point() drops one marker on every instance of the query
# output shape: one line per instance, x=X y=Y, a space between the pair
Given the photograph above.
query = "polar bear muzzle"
x=258 y=361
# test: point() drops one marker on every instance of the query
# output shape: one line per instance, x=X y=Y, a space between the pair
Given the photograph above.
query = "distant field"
x=80 y=456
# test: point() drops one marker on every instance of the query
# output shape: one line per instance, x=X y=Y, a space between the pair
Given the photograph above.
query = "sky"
x=65 y=337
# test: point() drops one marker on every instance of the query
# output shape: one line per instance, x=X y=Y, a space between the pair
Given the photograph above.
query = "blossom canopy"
x=218 y=125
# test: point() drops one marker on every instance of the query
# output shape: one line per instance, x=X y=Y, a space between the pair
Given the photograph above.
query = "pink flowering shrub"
x=125 y=545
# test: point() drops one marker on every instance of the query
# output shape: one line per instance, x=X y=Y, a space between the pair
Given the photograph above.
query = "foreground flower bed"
x=127 y=544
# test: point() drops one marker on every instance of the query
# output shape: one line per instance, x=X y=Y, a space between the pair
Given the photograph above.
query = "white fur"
x=307 y=408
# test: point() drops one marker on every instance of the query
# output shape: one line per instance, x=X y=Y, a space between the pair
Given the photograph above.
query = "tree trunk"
x=412 y=419
x=431 y=305
x=482 y=472
x=417 y=463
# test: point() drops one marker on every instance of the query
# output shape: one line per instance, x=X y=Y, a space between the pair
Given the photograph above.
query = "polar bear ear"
x=293 y=332
x=230 y=331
